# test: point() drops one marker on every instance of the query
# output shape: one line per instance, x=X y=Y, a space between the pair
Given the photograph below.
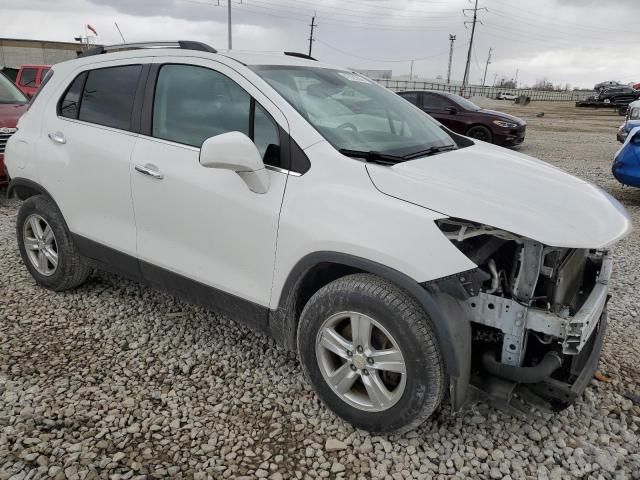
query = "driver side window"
x=193 y=103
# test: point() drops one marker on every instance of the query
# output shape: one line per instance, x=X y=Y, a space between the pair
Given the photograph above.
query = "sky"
x=576 y=42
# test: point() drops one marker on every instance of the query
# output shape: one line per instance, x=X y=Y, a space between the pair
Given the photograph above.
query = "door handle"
x=150 y=170
x=57 y=137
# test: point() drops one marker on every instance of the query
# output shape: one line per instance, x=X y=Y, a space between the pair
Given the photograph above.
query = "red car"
x=13 y=104
x=30 y=77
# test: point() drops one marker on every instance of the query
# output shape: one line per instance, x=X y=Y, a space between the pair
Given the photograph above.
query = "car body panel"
x=462 y=120
x=36 y=75
x=9 y=116
x=626 y=162
x=509 y=191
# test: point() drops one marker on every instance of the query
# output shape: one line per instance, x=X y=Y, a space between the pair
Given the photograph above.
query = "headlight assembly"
x=501 y=123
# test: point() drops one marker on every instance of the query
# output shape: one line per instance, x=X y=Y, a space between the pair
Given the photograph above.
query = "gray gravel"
x=118 y=381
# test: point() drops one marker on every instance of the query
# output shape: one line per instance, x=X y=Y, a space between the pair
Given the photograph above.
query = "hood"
x=10 y=113
x=511 y=191
x=503 y=116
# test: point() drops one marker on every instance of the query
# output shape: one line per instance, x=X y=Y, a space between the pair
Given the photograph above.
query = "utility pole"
x=452 y=38
x=484 y=78
x=495 y=77
x=475 y=9
x=411 y=71
x=313 y=25
x=229 y=21
x=516 y=81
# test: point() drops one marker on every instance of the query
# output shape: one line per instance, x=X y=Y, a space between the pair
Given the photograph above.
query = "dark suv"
x=465 y=117
x=618 y=95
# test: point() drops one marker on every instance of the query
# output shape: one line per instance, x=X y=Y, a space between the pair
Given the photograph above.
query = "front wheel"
x=371 y=354
x=480 y=132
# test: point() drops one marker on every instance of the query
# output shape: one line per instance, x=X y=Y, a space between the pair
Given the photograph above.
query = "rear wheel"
x=371 y=354
x=480 y=132
x=46 y=247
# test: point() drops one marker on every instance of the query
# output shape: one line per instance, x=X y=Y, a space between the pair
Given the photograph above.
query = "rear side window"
x=70 y=103
x=410 y=97
x=28 y=77
x=107 y=98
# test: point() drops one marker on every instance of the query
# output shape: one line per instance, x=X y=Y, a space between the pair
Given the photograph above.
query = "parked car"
x=506 y=96
x=465 y=117
x=636 y=86
x=12 y=105
x=626 y=162
x=631 y=121
x=608 y=84
x=30 y=77
x=401 y=261
x=618 y=95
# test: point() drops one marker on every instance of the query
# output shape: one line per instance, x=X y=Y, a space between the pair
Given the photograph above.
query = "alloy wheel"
x=361 y=361
x=40 y=245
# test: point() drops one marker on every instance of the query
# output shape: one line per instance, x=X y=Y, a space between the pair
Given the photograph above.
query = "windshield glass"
x=9 y=93
x=634 y=113
x=463 y=102
x=353 y=113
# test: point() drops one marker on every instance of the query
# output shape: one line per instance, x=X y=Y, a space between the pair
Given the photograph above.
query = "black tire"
x=71 y=270
x=480 y=132
x=413 y=333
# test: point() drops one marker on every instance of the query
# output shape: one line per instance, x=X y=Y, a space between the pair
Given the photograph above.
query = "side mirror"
x=452 y=110
x=235 y=151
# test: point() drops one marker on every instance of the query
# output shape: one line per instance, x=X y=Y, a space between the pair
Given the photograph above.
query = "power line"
x=378 y=59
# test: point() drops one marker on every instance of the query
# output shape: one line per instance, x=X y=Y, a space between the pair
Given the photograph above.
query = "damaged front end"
x=538 y=314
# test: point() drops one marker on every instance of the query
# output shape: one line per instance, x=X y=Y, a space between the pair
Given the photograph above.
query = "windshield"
x=354 y=113
x=634 y=113
x=463 y=102
x=9 y=93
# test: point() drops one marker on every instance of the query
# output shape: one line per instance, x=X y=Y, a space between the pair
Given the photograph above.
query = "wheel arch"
x=452 y=326
x=24 y=188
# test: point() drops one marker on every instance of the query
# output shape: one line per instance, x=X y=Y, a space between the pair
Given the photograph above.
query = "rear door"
x=202 y=227
x=89 y=132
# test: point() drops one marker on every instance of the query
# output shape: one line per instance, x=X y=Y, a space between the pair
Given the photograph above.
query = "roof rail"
x=181 y=44
x=300 y=55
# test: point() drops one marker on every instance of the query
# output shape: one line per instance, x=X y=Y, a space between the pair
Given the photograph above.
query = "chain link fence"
x=480 y=91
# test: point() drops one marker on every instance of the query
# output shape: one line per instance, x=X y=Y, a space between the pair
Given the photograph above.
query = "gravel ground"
x=118 y=381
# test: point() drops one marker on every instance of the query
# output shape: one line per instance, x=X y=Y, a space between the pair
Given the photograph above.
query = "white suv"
x=400 y=260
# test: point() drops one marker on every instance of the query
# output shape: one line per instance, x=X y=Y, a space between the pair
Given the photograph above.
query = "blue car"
x=626 y=162
x=632 y=121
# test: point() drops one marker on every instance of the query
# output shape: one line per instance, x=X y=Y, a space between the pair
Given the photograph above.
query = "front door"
x=199 y=227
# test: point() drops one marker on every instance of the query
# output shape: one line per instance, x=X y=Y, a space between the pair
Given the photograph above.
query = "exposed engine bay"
x=534 y=309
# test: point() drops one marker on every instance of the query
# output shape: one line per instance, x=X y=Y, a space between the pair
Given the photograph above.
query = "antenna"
x=118 y=28
x=313 y=25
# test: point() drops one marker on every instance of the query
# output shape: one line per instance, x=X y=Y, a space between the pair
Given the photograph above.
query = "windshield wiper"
x=430 y=151
x=373 y=156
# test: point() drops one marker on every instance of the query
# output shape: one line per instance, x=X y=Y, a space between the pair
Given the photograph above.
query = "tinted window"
x=70 y=103
x=194 y=103
x=108 y=96
x=410 y=97
x=43 y=74
x=266 y=137
x=436 y=102
x=28 y=77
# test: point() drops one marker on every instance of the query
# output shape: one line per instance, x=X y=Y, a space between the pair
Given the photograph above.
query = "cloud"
x=568 y=41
